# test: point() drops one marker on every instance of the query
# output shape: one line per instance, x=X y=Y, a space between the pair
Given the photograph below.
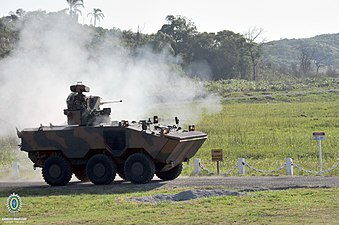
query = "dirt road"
x=232 y=183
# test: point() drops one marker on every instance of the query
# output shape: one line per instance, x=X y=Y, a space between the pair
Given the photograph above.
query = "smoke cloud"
x=53 y=54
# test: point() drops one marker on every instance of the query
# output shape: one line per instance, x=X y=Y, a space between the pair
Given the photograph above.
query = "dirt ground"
x=245 y=184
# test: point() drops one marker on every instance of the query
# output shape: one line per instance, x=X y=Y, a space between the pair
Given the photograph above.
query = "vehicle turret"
x=85 y=111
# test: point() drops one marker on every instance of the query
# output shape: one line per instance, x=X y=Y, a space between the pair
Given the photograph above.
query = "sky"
x=278 y=18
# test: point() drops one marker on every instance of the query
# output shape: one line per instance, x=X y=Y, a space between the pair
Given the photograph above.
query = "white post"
x=241 y=166
x=15 y=170
x=289 y=166
x=196 y=166
x=320 y=157
x=319 y=136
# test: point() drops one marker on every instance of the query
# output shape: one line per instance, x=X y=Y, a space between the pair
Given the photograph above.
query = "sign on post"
x=217 y=156
x=319 y=136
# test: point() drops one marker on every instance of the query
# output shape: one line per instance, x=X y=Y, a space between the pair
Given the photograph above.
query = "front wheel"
x=57 y=171
x=170 y=174
x=101 y=169
x=139 y=168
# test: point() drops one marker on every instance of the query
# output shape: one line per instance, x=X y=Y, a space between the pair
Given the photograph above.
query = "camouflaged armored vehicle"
x=95 y=149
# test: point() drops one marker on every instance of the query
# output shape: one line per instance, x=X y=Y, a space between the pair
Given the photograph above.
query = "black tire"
x=80 y=173
x=101 y=169
x=121 y=172
x=170 y=174
x=56 y=171
x=139 y=168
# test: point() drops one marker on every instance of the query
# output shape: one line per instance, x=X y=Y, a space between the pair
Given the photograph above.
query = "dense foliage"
x=216 y=56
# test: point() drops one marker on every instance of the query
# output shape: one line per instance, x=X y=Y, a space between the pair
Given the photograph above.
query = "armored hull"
x=79 y=143
x=136 y=154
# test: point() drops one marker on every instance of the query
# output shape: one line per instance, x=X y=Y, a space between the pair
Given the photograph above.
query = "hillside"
x=286 y=55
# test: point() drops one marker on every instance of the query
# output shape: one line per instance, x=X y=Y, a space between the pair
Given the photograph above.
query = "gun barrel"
x=112 y=101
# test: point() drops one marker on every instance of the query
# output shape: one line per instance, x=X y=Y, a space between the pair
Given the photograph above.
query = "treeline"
x=222 y=55
x=216 y=56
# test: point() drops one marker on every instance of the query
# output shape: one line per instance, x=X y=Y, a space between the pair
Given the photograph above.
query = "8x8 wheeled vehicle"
x=95 y=149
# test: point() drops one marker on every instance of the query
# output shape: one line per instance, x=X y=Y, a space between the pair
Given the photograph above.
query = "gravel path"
x=259 y=182
x=242 y=184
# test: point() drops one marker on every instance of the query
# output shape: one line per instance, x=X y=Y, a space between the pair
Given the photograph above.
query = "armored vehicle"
x=95 y=149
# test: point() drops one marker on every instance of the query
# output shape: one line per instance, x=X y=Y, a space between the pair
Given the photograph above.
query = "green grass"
x=266 y=133
x=293 y=206
x=268 y=121
x=7 y=146
x=9 y=153
x=226 y=88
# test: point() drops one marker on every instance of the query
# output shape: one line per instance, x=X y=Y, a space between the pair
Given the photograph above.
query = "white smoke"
x=53 y=54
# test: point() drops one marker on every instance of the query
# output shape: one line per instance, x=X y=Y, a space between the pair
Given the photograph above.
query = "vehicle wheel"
x=139 y=168
x=80 y=173
x=121 y=172
x=57 y=171
x=101 y=169
x=170 y=174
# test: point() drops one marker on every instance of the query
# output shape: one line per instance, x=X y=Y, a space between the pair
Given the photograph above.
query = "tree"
x=319 y=62
x=19 y=13
x=96 y=16
x=182 y=31
x=10 y=31
x=218 y=56
x=305 y=60
x=74 y=6
x=254 y=49
x=231 y=45
x=320 y=58
x=161 y=42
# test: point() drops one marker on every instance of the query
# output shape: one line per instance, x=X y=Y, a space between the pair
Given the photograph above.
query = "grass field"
x=266 y=133
x=293 y=206
x=266 y=122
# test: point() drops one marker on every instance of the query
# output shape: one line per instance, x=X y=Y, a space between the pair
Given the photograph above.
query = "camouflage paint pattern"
x=77 y=142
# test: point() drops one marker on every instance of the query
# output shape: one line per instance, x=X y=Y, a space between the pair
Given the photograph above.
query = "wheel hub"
x=55 y=171
x=99 y=170
x=137 y=168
